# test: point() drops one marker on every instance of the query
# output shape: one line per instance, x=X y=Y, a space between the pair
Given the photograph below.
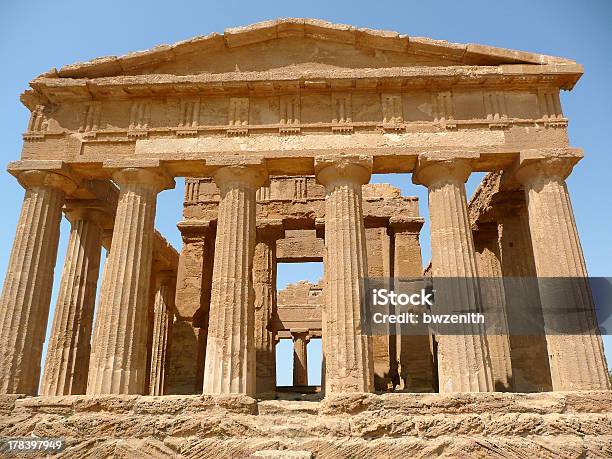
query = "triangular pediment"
x=298 y=45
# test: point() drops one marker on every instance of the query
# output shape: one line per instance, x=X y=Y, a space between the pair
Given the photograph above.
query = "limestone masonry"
x=277 y=128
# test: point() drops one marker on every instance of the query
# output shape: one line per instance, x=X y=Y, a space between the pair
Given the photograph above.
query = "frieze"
x=339 y=112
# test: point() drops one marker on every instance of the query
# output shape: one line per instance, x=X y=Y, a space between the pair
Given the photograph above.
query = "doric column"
x=300 y=357
x=528 y=349
x=118 y=363
x=486 y=243
x=415 y=355
x=68 y=351
x=577 y=361
x=162 y=325
x=24 y=305
x=348 y=353
x=463 y=360
x=264 y=284
x=230 y=350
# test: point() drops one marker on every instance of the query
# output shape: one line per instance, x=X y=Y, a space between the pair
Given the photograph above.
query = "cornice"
x=287 y=81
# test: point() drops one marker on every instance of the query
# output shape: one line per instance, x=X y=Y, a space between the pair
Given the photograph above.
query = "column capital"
x=107 y=239
x=547 y=163
x=32 y=178
x=270 y=229
x=194 y=230
x=333 y=169
x=406 y=225
x=440 y=166
x=155 y=177
x=255 y=175
x=300 y=333
x=83 y=212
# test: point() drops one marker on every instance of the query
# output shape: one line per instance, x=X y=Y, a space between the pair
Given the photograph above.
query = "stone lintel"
x=236 y=160
x=299 y=249
x=270 y=229
x=406 y=225
x=314 y=331
x=192 y=157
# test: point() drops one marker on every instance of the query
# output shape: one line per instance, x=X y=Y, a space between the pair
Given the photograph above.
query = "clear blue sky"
x=37 y=35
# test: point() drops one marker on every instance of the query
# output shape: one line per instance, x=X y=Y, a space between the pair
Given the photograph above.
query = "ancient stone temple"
x=277 y=129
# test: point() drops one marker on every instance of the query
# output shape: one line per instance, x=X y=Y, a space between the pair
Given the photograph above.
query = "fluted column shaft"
x=118 y=363
x=463 y=360
x=68 y=351
x=300 y=358
x=264 y=283
x=493 y=298
x=26 y=295
x=528 y=349
x=162 y=325
x=348 y=359
x=577 y=361
x=230 y=350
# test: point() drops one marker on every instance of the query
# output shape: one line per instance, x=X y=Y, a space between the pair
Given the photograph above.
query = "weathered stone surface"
x=67 y=360
x=26 y=294
x=463 y=360
x=230 y=350
x=576 y=361
x=163 y=318
x=566 y=424
x=300 y=358
x=118 y=359
x=264 y=284
x=349 y=368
